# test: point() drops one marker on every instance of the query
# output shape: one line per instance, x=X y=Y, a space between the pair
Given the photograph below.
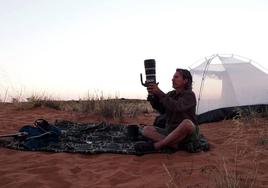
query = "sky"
x=71 y=49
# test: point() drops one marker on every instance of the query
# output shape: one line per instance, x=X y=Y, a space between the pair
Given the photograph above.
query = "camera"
x=149 y=65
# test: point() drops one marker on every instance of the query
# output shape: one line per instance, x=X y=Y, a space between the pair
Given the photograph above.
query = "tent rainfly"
x=225 y=83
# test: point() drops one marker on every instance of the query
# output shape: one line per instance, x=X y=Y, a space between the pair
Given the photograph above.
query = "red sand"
x=234 y=148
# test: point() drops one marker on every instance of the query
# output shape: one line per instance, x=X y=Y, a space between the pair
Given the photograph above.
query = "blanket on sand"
x=91 y=138
x=76 y=137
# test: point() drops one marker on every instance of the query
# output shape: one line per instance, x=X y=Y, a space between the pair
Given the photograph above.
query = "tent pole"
x=203 y=80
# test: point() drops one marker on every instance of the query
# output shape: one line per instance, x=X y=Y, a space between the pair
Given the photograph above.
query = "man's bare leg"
x=151 y=132
x=185 y=128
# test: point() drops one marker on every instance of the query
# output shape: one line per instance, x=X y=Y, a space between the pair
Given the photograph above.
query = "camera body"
x=149 y=65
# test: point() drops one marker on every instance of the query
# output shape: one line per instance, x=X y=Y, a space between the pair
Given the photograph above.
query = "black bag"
x=160 y=121
x=40 y=135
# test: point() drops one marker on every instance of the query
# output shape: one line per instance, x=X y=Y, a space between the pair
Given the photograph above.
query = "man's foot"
x=144 y=147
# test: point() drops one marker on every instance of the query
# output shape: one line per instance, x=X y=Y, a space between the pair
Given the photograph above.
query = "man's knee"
x=147 y=130
x=187 y=125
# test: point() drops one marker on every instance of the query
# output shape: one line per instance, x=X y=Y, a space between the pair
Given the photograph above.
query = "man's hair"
x=188 y=76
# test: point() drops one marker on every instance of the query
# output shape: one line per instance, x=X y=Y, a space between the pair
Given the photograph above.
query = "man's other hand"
x=153 y=88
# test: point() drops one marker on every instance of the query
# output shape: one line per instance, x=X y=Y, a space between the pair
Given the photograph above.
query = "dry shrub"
x=110 y=108
x=136 y=107
x=98 y=104
x=44 y=101
x=251 y=118
x=228 y=175
x=173 y=176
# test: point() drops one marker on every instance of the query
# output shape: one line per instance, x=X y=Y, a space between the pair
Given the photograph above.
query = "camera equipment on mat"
x=149 y=65
x=132 y=132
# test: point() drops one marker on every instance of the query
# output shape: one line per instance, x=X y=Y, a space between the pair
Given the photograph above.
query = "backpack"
x=42 y=134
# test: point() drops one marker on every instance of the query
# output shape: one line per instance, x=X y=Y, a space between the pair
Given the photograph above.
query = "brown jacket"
x=177 y=107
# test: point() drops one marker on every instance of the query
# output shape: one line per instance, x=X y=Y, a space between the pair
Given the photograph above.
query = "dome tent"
x=224 y=84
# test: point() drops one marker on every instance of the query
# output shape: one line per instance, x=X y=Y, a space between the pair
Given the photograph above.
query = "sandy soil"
x=239 y=154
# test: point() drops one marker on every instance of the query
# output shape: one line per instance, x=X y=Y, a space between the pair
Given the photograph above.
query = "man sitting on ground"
x=179 y=105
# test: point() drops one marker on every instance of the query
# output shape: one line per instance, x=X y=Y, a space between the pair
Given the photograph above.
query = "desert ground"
x=238 y=157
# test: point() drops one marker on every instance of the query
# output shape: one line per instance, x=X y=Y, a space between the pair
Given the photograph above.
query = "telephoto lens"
x=149 y=65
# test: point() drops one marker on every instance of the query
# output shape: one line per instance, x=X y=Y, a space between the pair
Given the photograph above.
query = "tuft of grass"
x=230 y=177
x=233 y=179
x=17 y=101
x=246 y=116
x=251 y=113
x=115 y=108
x=172 y=177
x=106 y=107
x=4 y=97
x=262 y=140
x=110 y=108
x=44 y=101
x=135 y=108
x=177 y=174
x=252 y=119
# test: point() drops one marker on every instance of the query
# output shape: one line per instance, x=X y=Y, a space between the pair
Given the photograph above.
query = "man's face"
x=177 y=81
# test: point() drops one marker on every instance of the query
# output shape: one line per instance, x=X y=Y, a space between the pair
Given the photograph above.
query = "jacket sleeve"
x=155 y=103
x=183 y=103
